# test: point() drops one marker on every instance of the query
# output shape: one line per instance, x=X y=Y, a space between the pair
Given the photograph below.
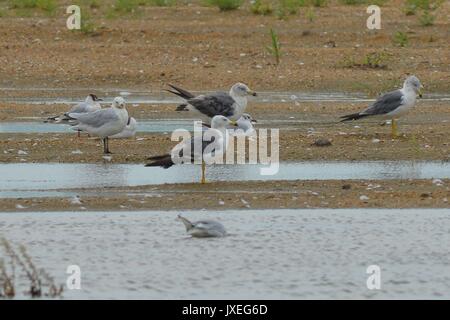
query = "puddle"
x=19 y=178
x=148 y=126
x=269 y=254
x=66 y=96
x=144 y=126
x=36 y=125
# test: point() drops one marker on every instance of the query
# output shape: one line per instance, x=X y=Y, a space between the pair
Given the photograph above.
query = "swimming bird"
x=104 y=122
x=392 y=105
x=129 y=131
x=230 y=105
x=90 y=104
x=207 y=144
x=203 y=228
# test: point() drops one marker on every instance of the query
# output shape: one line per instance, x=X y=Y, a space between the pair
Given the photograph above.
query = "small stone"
x=363 y=198
x=322 y=142
x=346 y=187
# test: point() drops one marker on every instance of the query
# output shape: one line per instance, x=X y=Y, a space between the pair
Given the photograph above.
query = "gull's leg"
x=394 y=129
x=78 y=133
x=107 y=146
x=203 y=172
x=104 y=146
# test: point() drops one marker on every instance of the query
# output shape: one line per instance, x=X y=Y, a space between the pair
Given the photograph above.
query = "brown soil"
x=255 y=195
x=202 y=48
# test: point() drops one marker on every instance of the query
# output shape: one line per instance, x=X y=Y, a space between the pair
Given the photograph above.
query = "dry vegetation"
x=16 y=263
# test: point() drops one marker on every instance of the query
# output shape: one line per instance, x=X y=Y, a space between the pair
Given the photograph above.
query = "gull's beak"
x=251 y=93
x=420 y=93
x=253 y=121
x=233 y=123
x=99 y=99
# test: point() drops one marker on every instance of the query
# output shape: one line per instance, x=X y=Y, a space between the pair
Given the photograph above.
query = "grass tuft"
x=226 y=5
x=400 y=39
x=275 y=48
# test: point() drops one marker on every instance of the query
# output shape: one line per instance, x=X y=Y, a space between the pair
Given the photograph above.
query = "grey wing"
x=81 y=107
x=219 y=103
x=385 y=104
x=209 y=225
x=97 y=118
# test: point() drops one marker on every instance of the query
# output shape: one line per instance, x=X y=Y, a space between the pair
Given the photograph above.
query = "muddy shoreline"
x=249 y=195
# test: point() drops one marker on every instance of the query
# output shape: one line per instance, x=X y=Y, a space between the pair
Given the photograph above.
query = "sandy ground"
x=203 y=48
x=255 y=195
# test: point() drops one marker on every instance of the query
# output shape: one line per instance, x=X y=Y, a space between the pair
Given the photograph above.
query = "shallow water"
x=69 y=96
x=143 y=126
x=278 y=254
x=18 y=179
x=156 y=126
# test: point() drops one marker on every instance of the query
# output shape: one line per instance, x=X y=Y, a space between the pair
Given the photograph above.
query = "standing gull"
x=103 y=123
x=219 y=139
x=392 y=105
x=90 y=104
x=203 y=228
x=129 y=131
x=230 y=105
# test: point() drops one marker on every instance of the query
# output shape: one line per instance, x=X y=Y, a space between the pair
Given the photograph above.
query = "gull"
x=104 y=122
x=392 y=105
x=211 y=142
x=129 y=131
x=245 y=125
x=90 y=104
x=231 y=105
x=203 y=228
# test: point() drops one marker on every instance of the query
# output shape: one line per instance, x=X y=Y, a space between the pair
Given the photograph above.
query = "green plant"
x=372 y=60
x=319 y=3
x=87 y=25
x=400 y=39
x=93 y=4
x=261 y=7
x=375 y=60
x=126 y=6
x=288 y=7
x=310 y=15
x=275 y=47
x=226 y=5
x=427 y=19
x=412 y=6
x=158 y=3
x=357 y=2
x=48 y=6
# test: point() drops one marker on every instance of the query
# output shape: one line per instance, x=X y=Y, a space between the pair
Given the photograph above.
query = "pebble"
x=322 y=142
x=363 y=198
